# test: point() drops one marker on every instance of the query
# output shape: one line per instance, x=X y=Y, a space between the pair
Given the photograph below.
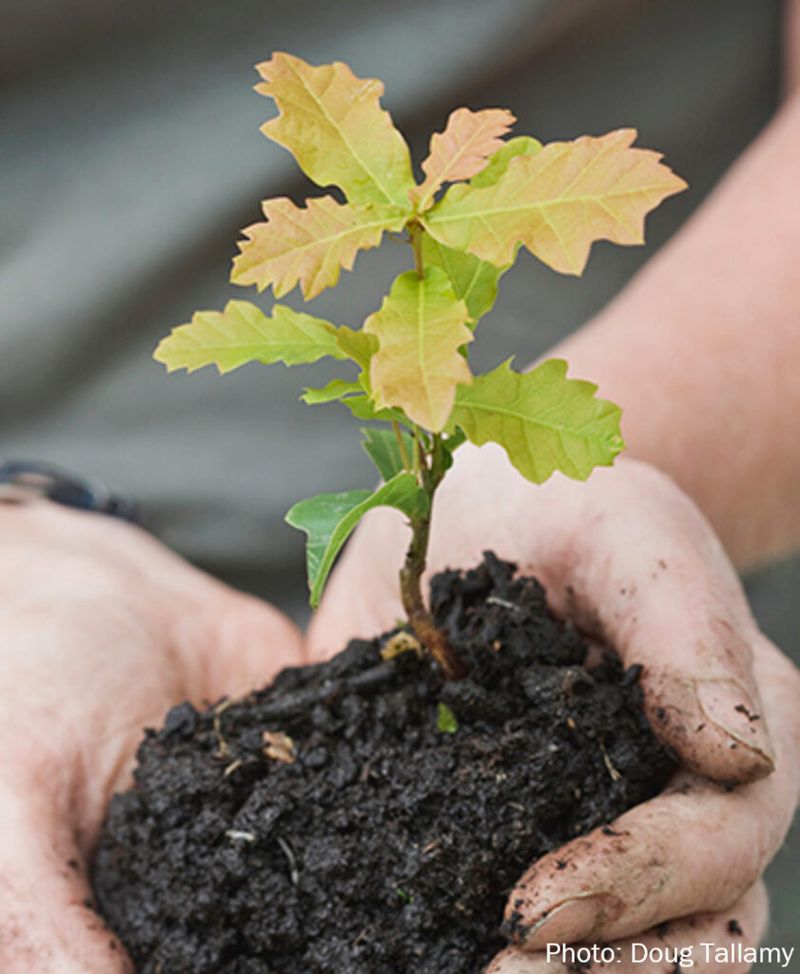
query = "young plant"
x=483 y=197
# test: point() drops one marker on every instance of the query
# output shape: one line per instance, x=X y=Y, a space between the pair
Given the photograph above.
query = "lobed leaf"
x=329 y=519
x=420 y=326
x=474 y=281
x=309 y=245
x=383 y=448
x=461 y=150
x=242 y=333
x=333 y=124
x=557 y=202
x=543 y=420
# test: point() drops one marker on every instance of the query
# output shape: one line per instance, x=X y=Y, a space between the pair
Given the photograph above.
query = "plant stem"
x=419 y=617
x=415 y=232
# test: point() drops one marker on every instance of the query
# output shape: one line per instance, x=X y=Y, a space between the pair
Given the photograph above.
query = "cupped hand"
x=102 y=629
x=632 y=561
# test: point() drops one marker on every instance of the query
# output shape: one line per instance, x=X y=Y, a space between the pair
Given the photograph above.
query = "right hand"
x=102 y=630
x=630 y=559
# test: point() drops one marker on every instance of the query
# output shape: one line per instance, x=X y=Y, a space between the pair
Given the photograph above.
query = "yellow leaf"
x=558 y=202
x=309 y=245
x=462 y=149
x=242 y=333
x=420 y=328
x=333 y=124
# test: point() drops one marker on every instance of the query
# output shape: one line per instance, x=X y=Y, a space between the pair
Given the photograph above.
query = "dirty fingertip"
x=574 y=919
x=729 y=708
x=712 y=726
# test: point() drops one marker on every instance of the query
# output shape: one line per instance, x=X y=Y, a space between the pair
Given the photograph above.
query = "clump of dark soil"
x=371 y=840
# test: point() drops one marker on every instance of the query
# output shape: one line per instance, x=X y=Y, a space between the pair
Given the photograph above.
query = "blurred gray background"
x=131 y=158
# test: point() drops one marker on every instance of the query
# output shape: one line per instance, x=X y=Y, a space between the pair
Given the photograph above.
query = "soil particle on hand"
x=385 y=845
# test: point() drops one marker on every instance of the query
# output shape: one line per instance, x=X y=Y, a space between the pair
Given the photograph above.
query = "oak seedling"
x=483 y=197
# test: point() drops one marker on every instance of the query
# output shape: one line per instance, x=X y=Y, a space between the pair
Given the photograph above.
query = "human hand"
x=102 y=629
x=630 y=559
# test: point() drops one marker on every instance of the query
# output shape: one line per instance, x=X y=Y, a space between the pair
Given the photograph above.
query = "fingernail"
x=727 y=705
x=574 y=920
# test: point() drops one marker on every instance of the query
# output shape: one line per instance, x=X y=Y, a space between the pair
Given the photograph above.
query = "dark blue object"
x=47 y=480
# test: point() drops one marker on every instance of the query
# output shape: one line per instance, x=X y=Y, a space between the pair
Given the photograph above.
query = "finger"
x=696 y=847
x=653 y=581
x=46 y=919
x=672 y=947
x=234 y=644
x=362 y=598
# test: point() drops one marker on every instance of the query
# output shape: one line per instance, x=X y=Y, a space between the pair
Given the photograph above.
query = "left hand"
x=630 y=558
x=102 y=629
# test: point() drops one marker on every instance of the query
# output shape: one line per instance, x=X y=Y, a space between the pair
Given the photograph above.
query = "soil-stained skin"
x=359 y=837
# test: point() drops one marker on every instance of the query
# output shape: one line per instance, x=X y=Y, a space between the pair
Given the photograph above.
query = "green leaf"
x=421 y=327
x=336 y=389
x=382 y=447
x=543 y=420
x=333 y=124
x=522 y=145
x=449 y=445
x=557 y=202
x=454 y=440
x=329 y=519
x=242 y=333
x=474 y=280
x=446 y=720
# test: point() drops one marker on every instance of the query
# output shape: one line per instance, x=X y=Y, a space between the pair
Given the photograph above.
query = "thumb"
x=654 y=581
x=47 y=925
x=232 y=643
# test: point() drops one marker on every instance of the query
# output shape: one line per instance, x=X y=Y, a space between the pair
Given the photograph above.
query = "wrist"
x=679 y=423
